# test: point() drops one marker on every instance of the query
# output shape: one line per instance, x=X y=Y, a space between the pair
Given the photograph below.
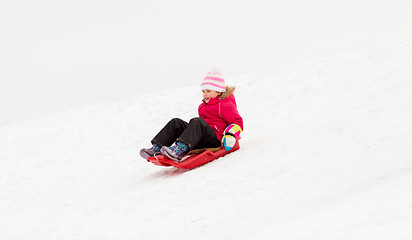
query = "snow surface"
x=325 y=155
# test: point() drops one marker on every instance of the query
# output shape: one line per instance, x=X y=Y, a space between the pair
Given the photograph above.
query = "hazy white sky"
x=56 y=55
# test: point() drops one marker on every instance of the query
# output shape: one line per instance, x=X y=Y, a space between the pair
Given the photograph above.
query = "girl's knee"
x=176 y=120
x=197 y=120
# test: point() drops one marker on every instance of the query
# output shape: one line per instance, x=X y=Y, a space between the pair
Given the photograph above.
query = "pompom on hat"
x=214 y=80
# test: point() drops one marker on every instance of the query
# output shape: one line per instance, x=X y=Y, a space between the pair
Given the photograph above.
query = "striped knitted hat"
x=214 y=81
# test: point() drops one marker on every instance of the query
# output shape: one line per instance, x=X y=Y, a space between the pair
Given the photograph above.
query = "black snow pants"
x=195 y=134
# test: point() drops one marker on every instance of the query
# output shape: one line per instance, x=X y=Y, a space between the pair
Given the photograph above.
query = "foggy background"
x=56 y=55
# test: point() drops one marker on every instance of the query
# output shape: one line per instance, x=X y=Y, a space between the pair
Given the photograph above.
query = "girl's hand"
x=228 y=141
x=231 y=134
x=234 y=130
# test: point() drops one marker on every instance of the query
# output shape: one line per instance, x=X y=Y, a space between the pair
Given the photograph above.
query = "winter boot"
x=175 y=152
x=150 y=152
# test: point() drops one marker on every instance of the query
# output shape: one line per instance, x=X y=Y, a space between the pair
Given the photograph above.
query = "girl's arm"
x=230 y=114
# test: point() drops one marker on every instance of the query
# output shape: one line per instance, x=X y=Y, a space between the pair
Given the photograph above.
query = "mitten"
x=231 y=134
x=233 y=129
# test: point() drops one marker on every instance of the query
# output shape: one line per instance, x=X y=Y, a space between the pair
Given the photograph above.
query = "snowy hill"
x=325 y=155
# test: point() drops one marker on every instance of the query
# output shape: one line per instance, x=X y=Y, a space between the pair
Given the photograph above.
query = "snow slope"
x=324 y=156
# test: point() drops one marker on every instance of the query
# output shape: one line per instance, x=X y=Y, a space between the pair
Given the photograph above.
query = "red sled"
x=193 y=160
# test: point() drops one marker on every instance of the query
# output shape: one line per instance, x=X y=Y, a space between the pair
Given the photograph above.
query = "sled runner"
x=195 y=158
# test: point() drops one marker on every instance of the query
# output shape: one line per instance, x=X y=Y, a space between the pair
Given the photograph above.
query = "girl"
x=218 y=121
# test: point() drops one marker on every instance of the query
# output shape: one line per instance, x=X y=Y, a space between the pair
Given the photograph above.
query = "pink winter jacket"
x=220 y=112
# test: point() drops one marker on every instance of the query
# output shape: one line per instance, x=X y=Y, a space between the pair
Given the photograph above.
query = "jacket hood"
x=229 y=91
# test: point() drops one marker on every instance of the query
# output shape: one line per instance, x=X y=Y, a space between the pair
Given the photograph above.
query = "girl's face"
x=208 y=94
